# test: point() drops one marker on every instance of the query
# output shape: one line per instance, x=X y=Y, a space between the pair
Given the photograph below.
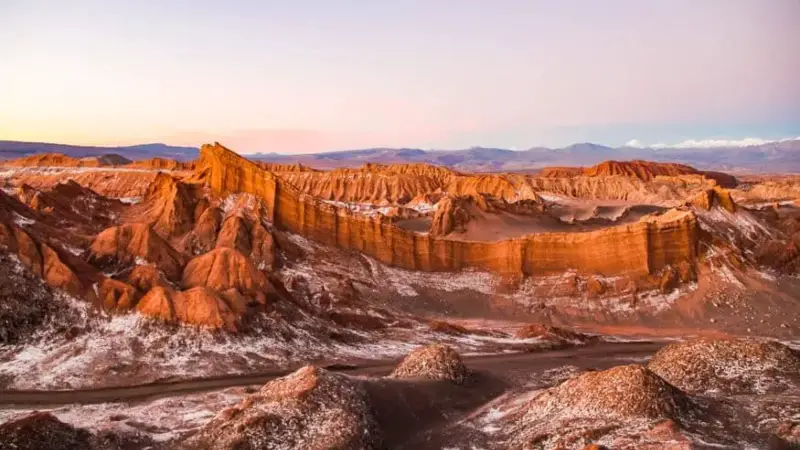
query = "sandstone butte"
x=640 y=248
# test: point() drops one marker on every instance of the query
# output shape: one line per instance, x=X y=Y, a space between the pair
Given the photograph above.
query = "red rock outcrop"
x=146 y=277
x=506 y=187
x=451 y=215
x=70 y=204
x=197 y=306
x=643 y=170
x=624 y=391
x=248 y=237
x=621 y=402
x=441 y=174
x=433 y=362
x=234 y=234
x=203 y=236
x=643 y=247
x=42 y=431
x=168 y=206
x=714 y=196
x=39 y=257
x=122 y=245
x=222 y=269
x=116 y=295
x=58 y=274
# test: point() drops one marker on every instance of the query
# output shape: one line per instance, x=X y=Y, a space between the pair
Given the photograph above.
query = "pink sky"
x=331 y=74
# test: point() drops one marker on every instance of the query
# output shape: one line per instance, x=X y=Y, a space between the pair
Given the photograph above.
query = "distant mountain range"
x=16 y=149
x=779 y=156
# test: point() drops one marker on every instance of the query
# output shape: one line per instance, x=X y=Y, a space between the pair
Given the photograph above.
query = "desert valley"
x=229 y=303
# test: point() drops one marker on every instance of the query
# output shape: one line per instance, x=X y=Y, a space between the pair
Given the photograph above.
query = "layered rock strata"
x=640 y=248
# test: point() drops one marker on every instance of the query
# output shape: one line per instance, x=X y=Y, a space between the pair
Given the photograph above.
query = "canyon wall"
x=638 y=249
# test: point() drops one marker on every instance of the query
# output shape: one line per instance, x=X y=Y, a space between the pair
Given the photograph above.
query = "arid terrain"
x=229 y=303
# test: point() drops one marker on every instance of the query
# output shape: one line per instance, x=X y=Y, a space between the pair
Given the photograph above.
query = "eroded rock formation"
x=642 y=170
x=222 y=269
x=133 y=244
x=644 y=247
x=196 y=306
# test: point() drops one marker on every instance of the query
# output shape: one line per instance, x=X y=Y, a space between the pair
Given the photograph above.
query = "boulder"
x=42 y=431
x=311 y=409
x=433 y=362
x=727 y=365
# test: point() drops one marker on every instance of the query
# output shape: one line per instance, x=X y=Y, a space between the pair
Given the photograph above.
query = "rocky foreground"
x=433 y=400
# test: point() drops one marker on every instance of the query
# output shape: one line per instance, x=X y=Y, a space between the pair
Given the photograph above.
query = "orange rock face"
x=640 y=248
x=124 y=244
x=450 y=216
x=58 y=274
x=197 y=306
x=116 y=295
x=222 y=269
x=146 y=277
x=709 y=198
x=34 y=252
x=203 y=236
x=168 y=206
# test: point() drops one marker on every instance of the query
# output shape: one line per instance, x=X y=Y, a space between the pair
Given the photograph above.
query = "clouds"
x=709 y=143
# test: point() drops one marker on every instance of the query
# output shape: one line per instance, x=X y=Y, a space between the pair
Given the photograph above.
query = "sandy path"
x=600 y=355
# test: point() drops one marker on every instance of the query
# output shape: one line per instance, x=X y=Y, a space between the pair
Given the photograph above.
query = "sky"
x=297 y=76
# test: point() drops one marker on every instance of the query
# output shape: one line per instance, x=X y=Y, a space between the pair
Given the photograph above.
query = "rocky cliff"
x=640 y=248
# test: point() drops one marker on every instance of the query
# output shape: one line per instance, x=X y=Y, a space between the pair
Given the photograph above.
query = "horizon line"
x=631 y=144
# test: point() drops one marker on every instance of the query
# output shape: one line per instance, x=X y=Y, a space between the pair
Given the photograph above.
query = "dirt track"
x=598 y=356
